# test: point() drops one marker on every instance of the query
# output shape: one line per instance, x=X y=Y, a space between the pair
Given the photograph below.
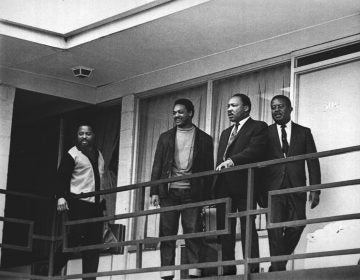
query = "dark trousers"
x=169 y=224
x=283 y=241
x=228 y=241
x=83 y=235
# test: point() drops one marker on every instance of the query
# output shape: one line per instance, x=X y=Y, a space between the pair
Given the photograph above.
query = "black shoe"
x=272 y=269
x=168 y=278
x=229 y=271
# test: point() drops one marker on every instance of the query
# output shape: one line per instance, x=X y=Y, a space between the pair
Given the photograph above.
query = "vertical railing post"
x=53 y=240
x=139 y=251
x=248 y=234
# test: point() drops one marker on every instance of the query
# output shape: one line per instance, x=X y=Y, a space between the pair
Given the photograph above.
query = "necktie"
x=285 y=144
x=233 y=133
x=231 y=139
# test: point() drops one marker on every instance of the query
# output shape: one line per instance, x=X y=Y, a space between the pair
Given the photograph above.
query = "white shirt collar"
x=241 y=123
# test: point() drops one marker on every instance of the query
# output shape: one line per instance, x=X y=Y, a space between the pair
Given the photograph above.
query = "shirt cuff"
x=231 y=162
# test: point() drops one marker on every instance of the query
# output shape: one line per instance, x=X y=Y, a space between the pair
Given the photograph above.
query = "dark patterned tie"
x=285 y=144
x=231 y=139
x=233 y=133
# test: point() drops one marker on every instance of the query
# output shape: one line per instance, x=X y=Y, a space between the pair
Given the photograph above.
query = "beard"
x=88 y=150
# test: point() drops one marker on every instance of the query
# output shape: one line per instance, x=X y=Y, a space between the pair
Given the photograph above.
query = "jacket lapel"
x=273 y=134
x=196 y=143
x=293 y=137
x=172 y=140
x=242 y=131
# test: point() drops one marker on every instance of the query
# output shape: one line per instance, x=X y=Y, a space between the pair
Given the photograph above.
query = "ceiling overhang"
x=148 y=11
x=164 y=43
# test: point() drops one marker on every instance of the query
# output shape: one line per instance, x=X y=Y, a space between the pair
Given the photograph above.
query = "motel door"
x=329 y=103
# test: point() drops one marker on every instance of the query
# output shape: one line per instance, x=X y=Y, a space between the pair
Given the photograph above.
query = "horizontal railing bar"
x=219 y=263
x=15 y=247
x=23 y=275
x=27 y=195
x=225 y=170
x=148 y=240
x=249 y=212
x=315 y=187
x=149 y=212
x=313 y=221
x=16 y=220
x=199 y=174
x=305 y=255
x=150 y=269
x=196 y=175
x=46 y=237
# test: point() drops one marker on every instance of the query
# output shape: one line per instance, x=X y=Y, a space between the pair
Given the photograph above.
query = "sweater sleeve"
x=64 y=175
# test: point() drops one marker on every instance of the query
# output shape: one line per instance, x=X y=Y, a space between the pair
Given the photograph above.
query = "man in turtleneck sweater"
x=182 y=150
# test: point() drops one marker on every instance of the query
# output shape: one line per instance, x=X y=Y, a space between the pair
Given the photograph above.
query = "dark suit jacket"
x=248 y=146
x=203 y=160
x=301 y=142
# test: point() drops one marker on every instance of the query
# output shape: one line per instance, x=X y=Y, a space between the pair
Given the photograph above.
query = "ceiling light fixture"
x=82 y=71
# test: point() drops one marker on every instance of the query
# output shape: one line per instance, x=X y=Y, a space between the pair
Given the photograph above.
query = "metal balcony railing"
x=228 y=215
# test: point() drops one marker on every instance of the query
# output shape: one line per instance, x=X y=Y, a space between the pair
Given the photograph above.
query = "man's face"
x=236 y=110
x=280 y=111
x=85 y=136
x=182 y=117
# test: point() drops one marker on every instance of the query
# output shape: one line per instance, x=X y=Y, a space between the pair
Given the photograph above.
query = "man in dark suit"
x=287 y=138
x=182 y=150
x=242 y=143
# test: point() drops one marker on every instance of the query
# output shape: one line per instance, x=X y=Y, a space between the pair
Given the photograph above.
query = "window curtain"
x=107 y=123
x=260 y=86
x=156 y=118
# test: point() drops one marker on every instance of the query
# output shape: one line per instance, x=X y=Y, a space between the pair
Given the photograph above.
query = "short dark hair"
x=284 y=98
x=244 y=99
x=86 y=124
x=187 y=103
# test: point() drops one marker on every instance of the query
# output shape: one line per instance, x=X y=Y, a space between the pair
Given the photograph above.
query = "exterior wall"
x=203 y=68
x=124 y=200
x=7 y=95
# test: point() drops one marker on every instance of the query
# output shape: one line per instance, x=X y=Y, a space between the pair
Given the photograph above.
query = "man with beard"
x=81 y=171
x=286 y=139
x=182 y=150
x=242 y=143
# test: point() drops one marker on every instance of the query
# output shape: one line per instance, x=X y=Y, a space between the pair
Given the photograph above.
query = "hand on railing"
x=62 y=204
x=226 y=164
x=155 y=201
x=314 y=199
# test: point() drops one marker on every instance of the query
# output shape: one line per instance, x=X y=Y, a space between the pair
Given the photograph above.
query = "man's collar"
x=243 y=120
x=288 y=124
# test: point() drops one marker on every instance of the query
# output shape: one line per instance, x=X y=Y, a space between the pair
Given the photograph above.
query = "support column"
x=127 y=159
x=7 y=95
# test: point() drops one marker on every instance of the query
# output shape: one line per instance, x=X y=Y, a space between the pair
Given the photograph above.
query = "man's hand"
x=314 y=199
x=155 y=200
x=62 y=204
x=226 y=164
